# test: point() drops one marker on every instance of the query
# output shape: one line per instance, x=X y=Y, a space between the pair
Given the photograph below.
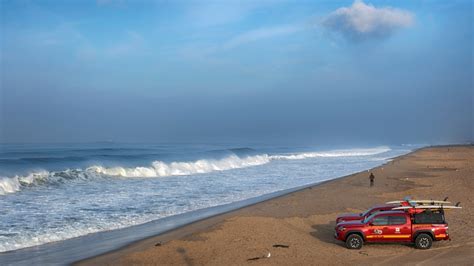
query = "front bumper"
x=339 y=235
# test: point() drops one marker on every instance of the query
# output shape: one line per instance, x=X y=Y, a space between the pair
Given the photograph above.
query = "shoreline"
x=80 y=249
x=219 y=217
x=273 y=211
x=52 y=252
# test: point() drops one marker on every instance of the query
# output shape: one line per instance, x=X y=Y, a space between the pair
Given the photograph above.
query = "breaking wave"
x=334 y=153
x=162 y=169
x=157 y=169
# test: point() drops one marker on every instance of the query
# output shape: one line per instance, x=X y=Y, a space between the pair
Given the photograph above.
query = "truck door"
x=377 y=227
x=398 y=228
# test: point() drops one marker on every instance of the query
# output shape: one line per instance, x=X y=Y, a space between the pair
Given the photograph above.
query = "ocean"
x=55 y=192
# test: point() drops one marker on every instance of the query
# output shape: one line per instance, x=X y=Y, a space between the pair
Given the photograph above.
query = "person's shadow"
x=325 y=233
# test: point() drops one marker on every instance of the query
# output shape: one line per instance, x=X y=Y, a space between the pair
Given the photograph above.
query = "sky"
x=201 y=71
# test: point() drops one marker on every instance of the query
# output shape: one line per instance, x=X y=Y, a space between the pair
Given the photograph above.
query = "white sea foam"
x=78 y=208
x=9 y=185
x=334 y=153
x=159 y=168
x=67 y=231
x=162 y=169
x=14 y=184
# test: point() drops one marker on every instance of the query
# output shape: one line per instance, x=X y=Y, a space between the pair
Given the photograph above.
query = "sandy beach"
x=304 y=221
x=235 y=132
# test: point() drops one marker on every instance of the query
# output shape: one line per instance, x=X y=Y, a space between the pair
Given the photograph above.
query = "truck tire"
x=354 y=241
x=423 y=241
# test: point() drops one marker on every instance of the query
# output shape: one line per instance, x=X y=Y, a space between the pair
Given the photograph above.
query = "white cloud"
x=363 y=21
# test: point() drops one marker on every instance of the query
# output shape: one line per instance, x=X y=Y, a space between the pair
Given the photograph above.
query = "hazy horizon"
x=368 y=72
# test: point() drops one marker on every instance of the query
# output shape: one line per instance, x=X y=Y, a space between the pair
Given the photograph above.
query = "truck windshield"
x=367 y=219
x=363 y=214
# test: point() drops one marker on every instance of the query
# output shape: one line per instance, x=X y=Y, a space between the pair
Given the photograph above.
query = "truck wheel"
x=423 y=241
x=354 y=241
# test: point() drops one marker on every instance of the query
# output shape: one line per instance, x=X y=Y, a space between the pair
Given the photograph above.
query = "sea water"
x=56 y=192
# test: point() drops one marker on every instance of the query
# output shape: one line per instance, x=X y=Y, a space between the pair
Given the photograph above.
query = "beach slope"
x=302 y=223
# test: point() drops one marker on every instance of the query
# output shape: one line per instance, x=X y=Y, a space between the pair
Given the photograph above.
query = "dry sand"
x=304 y=221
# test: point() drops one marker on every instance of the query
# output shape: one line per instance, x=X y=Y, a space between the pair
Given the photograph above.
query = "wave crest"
x=334 y=153
x=162 y=169
x=158 y=169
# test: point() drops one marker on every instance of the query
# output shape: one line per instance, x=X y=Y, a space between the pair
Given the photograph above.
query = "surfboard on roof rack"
x=419 y=202
x=445 y=207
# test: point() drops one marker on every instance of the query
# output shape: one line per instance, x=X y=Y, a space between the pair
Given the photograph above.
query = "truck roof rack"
x=428 y=207
x=419 y=202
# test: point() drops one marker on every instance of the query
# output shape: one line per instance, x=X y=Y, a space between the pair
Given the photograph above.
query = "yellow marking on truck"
x=388 y=236
x=397 y=236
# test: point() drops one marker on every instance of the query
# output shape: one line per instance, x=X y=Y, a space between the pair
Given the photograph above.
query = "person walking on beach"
x=372 y=179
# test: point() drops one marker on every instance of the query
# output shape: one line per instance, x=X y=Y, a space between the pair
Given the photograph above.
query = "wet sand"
x=304 y=221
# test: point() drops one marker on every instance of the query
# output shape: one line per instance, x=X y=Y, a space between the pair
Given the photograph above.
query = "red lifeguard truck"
x=419 y=224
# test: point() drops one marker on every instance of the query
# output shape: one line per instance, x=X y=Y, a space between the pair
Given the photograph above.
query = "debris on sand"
x=261 y=257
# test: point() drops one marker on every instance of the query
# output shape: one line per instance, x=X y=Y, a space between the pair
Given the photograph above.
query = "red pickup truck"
x=421 y=228
x=345 y=217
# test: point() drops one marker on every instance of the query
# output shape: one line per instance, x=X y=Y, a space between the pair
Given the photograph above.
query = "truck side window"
x=394 y=220
x=380 y=220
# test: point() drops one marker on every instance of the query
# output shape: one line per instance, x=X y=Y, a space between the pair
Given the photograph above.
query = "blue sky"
x=139 y=71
